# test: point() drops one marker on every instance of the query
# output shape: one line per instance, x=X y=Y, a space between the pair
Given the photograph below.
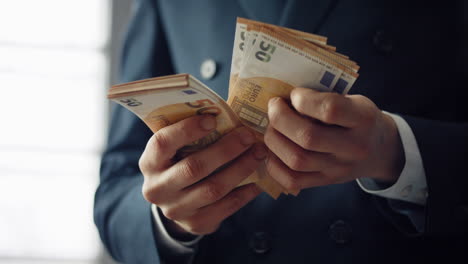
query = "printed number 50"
x=262 y=54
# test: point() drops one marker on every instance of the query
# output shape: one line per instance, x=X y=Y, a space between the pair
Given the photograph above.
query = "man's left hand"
x=327 y=138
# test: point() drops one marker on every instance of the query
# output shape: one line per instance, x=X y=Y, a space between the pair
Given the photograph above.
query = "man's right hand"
x=193 y=198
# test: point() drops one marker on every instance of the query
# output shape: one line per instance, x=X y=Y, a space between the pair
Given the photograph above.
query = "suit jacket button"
x=340 y=232
x=383 y=42
x=260 y=243
x=208 y=69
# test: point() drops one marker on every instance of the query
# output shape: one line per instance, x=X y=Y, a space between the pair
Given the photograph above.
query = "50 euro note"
x=162 y=106
x=275 y=64
x=243 y=38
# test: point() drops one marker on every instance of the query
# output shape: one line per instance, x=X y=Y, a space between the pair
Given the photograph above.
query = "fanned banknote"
x=274 y=64
x=163 y=101
x=267 y=61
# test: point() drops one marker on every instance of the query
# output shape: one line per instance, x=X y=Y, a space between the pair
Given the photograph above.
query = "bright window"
x=53 y=73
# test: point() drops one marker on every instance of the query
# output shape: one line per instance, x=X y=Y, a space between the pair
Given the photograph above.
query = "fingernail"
x=208 y=122
x=260 y=152
x=246 y=137
x=272 y=101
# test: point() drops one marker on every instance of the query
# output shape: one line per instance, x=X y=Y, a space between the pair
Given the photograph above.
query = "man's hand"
x=327 y=138
x=188 y=193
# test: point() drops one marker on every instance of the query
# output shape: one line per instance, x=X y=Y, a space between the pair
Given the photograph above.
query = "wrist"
x=392 y=152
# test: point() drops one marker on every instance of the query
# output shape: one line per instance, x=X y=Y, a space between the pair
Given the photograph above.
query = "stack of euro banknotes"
x=267 y=61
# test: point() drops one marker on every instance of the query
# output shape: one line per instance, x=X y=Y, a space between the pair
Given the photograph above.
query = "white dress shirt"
x=411 y=186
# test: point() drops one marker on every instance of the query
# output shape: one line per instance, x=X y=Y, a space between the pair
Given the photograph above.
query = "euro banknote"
x=163 y=101
x=267 y=61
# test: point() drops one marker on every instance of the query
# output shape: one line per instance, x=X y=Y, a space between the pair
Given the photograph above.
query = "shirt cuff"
x=165 y=240
x=411 y=186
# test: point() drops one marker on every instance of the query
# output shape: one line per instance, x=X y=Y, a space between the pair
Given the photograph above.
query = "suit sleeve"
x=444 y=144
x=444 y=148
x=122 y=216
x=441 y=131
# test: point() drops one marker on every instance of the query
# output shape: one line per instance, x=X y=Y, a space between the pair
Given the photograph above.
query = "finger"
x=295 y=157
x=330 y=108
x=200 y=164
x=304 y=132
x=206 y=219
x=164 y=144
x=223 y=182
x=293 y=180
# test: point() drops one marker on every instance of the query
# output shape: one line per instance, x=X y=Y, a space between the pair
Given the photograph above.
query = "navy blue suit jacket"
x=413 y=58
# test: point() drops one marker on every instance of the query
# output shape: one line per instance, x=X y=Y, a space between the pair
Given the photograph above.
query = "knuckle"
x=330 y=108
x=150 y=193
x=269 y=166
x=170 y=212
x=368 y=117
x=160 y=141
x=301 y=103
x=211 y=191
x=143 y=165
x=146 y=192
x=268 y=137
x=235 y=204
x=308 y=137
x=146 y=166
x=291 y=183
x=274 y=113
x=296 y=161
x=192 y=168
x=363 y=100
